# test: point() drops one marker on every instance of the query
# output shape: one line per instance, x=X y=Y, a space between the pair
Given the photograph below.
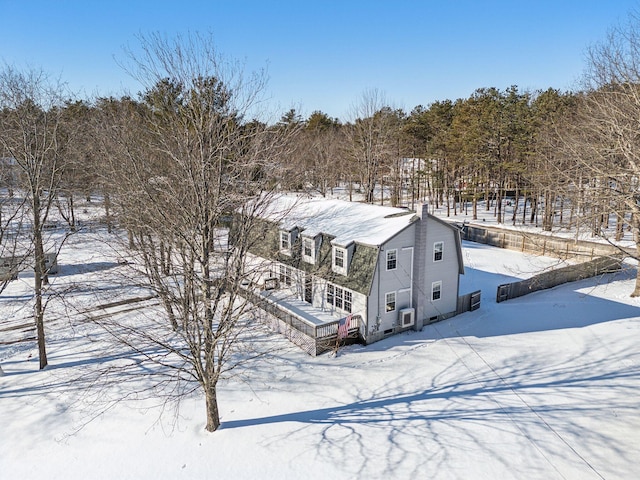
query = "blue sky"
x=322 y=55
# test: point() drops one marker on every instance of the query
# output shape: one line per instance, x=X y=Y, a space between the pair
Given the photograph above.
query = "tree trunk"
x=39 y=318
x=369 y=196
x=635 y=220
x=213 y=416
x=107 y=212
x=487 y=196
x=499 y=203
x=72 y=213
x=636 y=290
x=69 y=215
x=516 y=202
x=475 y=202
x=548 y=216
x=39 y=274
x=619 y=226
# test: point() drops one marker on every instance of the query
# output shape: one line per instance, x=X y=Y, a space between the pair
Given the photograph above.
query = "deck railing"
x=329 y=330
x=322 y=335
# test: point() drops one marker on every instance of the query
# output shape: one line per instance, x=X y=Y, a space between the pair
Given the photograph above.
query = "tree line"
x=528 y=148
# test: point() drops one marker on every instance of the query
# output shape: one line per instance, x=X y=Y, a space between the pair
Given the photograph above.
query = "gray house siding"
x=396 y=281
x=445 y=271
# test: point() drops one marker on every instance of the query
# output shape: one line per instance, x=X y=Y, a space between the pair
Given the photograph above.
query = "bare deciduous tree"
x=321 y=146
x=80 y=165
x=371 y=139
x=605 y=145
x=30 y=133
x=185 y=161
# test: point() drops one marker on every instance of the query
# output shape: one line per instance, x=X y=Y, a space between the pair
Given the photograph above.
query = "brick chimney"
x=423 y=210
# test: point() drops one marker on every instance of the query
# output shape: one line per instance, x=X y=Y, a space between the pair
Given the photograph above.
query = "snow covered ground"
x=544 y=386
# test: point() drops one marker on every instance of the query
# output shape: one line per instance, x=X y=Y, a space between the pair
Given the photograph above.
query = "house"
x=11 y=266
x=386 y=269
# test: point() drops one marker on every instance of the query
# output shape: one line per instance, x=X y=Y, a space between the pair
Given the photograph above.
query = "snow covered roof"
x=346 y=221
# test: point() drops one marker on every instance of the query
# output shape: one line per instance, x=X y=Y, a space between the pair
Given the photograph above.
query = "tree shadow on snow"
x=92 y=267
x=400 y=427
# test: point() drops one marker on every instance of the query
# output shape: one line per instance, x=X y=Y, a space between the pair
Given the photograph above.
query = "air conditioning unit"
x=407 y=317
x=271 y=283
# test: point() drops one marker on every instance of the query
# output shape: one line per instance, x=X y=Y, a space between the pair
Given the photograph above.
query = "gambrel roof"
x=346 y=222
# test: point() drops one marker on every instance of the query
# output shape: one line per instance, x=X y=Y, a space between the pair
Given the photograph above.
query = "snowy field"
x=544 y=386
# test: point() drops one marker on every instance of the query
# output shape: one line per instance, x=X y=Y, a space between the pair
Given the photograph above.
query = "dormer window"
x=339 y=260
x=285 y=241
x=309 y=250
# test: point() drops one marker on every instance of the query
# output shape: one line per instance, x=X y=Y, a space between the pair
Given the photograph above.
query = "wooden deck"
x=313 y=337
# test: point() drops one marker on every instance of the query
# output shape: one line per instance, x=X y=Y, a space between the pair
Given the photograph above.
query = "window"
x=390 y=300
x=392 y=259
x=339 y=257
x=348 y=300
x=436 y=288
x=339 y=297
x=308 y=250
x=284 y=274
x=330 y=293
x=285 y=243
x=438 y=247
x=307 y=245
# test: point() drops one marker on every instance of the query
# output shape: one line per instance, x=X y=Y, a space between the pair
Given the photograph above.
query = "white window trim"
x=282 y=248
x=387 y=302
x=345 y=301
x=309 y=258
x=441 y=251
x=433 y=289
x=339 y=295
x=336 y=268
x=395 y=252
x=285 y=275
